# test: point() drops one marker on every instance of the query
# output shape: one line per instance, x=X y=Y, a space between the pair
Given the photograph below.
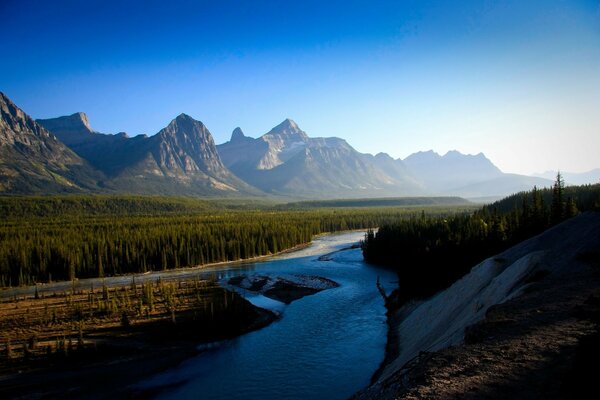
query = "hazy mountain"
x=32 y=160
x=466 y=175
x=180 y=159
x=439 y=174
x=397 y=169
x=500 y=186
x=286 y=161
x=574 y=178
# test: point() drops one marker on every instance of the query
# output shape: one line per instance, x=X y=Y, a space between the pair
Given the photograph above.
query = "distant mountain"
x=180 y=159
x=66 y=155
x=32 y=160
x=397 y=169
x=442 y=173
x=286 y=161
x=574 y=178
x=501 y=186
x=466 y=175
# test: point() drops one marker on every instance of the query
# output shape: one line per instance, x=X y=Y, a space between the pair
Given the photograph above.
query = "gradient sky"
x=517 y=80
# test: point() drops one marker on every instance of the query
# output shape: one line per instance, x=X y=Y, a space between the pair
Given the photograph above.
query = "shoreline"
x=167 y=275
x=7 y=293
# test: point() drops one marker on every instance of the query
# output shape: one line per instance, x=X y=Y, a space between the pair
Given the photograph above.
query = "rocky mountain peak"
x=237 y=134
x=288 y=130
x=185 y=126
x=384 y=156
x=184 y=117
x=75 y=123
x=35 y=160
x=15 y=125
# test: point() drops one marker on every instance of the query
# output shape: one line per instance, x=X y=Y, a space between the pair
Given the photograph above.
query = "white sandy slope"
x=440 y=321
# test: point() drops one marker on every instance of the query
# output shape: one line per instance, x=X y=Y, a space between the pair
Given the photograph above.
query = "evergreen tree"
x=557 y=208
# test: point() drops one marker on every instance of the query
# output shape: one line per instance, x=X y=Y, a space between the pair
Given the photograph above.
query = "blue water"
x=325 y=346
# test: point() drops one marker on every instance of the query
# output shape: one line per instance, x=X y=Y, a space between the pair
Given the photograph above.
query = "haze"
x=515 y=80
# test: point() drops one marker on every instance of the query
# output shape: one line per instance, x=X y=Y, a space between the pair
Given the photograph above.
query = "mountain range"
x=574 y=178
x=65 y=154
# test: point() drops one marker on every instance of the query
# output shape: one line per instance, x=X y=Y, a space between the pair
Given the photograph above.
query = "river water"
x=324 y=346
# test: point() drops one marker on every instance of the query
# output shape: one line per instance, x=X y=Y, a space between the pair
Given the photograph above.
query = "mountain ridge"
x=33 y=160
x=183 y=159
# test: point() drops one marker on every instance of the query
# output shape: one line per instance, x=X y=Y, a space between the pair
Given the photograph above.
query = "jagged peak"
x=289 y=123
x=237 y=134
x=82 y=118
x=423 y=155
x=456 y=153
x=183 y=120
x=184 y=117
x=382 y=155
x=288 y=128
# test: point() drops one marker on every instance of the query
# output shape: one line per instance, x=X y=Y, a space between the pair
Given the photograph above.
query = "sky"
x=516 y=80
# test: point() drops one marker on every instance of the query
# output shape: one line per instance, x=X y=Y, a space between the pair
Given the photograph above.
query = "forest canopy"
x=431 y=252
x=71 y=237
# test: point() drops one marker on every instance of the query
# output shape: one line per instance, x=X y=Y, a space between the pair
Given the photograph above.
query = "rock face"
x=32 y=160
x=286 y=161
x=180 y=159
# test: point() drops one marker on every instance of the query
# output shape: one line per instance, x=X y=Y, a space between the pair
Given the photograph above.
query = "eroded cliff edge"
x=522 y=324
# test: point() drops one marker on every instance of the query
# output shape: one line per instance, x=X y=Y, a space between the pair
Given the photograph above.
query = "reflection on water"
x=325 y=346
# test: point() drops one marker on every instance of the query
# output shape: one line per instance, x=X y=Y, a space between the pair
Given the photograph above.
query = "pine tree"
x=557 y=208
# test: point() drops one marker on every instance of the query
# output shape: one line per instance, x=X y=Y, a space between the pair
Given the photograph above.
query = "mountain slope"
x=32 y=160
x=286 y=161
x=180 y=159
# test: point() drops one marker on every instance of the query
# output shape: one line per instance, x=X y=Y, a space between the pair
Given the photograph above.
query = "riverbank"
x=523 y=324
x=126 y=279
x=77 y=341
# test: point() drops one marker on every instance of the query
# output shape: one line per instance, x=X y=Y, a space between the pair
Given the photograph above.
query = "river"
x=324 y=346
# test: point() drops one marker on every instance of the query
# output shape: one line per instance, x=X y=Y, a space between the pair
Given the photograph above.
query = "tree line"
x=429 y=253
x=80 y=244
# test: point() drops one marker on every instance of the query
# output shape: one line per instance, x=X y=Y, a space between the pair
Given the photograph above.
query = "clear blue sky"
x=517 y=80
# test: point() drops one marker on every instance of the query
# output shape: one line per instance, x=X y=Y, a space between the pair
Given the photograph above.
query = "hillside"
x=519 y=325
